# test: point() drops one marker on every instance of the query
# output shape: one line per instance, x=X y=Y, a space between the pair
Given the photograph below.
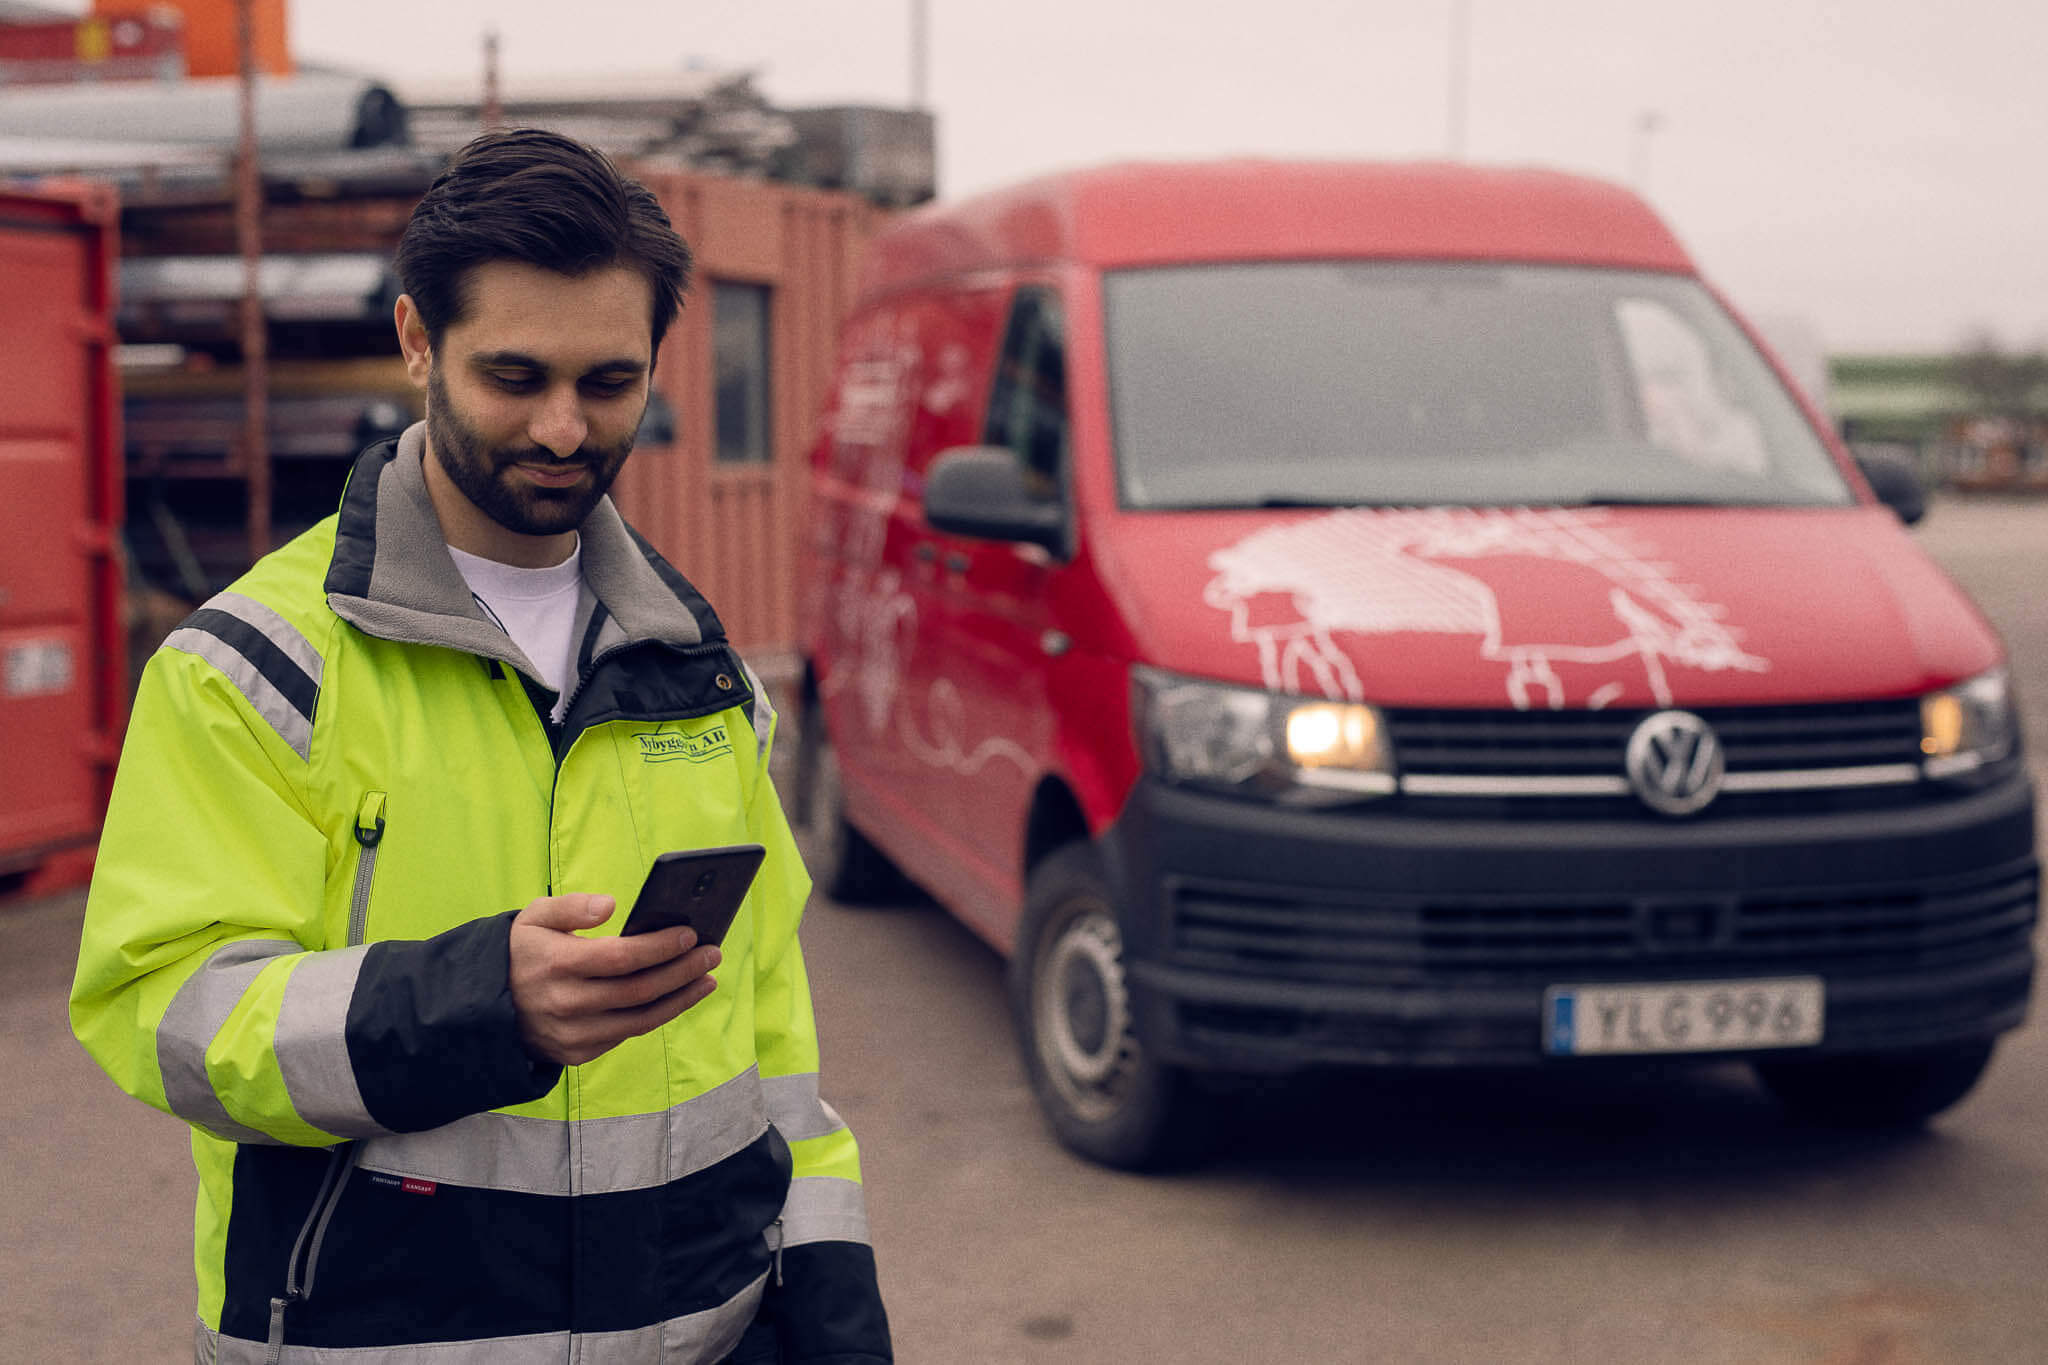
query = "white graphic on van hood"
x=1370 y=571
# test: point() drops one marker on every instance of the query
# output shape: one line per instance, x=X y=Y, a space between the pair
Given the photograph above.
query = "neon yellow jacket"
x=336 y=790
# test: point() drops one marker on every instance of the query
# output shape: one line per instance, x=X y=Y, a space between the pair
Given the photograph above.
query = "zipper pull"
x=775 y=1247
x=370 y=819
x=273 y=1349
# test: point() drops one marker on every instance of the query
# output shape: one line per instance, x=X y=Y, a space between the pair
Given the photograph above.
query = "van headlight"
x=1965 y=727
x=1255 y=743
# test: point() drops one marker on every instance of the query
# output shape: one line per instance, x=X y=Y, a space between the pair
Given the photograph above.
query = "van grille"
x=1819 y=742
x=1578 y=743
x=1397 y=940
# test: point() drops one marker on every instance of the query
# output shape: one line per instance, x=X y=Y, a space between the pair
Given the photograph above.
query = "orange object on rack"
x=210 y=46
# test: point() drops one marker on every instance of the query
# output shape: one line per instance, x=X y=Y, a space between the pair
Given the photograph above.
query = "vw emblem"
x=1674 y=763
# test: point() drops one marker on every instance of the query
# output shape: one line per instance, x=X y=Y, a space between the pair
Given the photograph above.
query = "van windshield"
x=1346 y=383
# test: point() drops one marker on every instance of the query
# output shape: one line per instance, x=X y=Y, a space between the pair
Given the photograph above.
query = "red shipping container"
x=63 y=676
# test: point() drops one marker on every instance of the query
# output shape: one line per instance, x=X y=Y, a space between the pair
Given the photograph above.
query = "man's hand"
x=577 y=998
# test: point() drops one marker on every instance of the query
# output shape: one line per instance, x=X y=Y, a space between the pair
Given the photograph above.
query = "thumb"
x=577 y=910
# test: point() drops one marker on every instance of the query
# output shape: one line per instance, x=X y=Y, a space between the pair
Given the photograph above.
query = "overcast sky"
x=1871 y=166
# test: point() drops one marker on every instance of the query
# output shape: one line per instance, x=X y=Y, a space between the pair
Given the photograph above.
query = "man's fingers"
x=575 y=912
x=631 y=992
x=609 y=957
x=581 y=1037
x=594 y=996
x=569 y=913
x=652 y=1015
x=577 y=997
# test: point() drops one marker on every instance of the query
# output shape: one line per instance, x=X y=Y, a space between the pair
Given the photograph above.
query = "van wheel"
x=1876 y=1090
x=847 y=867
x=1105 y=1098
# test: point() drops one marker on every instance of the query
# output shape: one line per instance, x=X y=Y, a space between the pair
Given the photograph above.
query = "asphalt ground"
x=1378 y=1217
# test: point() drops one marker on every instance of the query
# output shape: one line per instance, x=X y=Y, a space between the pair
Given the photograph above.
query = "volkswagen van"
x=1313 y=614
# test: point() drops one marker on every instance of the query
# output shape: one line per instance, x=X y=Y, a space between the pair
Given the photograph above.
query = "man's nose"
x=559 y=425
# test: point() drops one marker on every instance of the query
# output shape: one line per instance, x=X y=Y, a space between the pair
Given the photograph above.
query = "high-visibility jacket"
x=338 y=787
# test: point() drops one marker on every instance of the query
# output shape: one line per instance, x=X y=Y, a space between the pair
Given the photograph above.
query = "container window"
x=741 y=355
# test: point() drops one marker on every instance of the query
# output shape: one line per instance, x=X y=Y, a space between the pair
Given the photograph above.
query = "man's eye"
x=606 y=388
x=516 y=383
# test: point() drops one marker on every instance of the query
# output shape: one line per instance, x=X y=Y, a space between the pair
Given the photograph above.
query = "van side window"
x=1027 y=408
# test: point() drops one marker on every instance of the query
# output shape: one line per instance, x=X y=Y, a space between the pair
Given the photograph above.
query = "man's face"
x=533 y=399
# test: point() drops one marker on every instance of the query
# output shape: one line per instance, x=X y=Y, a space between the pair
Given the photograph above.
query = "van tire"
x=845 y=864
x=1878 y=1090
x=1104 y=1097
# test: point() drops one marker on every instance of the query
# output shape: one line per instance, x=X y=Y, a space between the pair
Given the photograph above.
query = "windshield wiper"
x=1284 y=500
x=1612 y=499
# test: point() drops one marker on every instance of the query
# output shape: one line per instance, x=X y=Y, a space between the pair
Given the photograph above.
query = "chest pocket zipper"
x=369 y=832
x=369 y=835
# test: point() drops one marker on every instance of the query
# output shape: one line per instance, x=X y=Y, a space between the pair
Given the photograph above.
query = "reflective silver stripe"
x=531 y=1155
x=689 y=1340
x=194 y=1017
x=706 y=1336
x=1873 y=775
x=795 y=1109
x=293 y=726
x=312 y=1044
x=1477 y=784
x=824 y=1208
x=275 y=628
x=764 y=714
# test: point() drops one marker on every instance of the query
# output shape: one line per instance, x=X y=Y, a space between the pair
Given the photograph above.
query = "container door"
x=47 y=775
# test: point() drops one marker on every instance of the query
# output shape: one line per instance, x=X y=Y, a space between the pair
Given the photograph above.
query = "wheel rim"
x=1081 y=1013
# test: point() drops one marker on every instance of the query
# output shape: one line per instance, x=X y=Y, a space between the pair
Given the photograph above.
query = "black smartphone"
x=696 y=888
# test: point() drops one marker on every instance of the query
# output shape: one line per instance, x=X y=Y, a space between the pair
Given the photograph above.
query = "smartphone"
x=696 y=888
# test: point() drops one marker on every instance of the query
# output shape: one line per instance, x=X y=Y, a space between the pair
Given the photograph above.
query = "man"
x=382 y=805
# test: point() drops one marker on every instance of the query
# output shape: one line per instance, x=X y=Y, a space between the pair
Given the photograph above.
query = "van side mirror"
x=982 y=491
x=1896 y=483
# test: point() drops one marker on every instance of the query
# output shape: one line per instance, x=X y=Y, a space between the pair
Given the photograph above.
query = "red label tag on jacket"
x=408 y=1184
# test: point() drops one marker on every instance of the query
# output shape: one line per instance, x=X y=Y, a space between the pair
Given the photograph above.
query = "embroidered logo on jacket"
x=665 y=746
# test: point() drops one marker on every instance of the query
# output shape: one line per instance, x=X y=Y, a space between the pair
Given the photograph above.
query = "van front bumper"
x=1259 y=937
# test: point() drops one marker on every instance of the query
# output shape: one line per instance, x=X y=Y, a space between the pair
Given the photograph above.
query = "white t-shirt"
x=536 y=607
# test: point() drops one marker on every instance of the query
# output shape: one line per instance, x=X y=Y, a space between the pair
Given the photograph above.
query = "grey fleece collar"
x=392 y=576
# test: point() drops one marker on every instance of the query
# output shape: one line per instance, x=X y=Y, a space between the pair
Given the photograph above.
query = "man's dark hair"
x=536 y=197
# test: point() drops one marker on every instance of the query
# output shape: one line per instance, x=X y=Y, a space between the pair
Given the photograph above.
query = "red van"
x=1333 y=614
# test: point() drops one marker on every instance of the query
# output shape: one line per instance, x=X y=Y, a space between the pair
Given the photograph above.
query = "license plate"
x=1682 y=1016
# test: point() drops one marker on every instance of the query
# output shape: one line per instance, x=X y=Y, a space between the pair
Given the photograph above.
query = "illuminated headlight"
x=1255 y=743
x=1964 y=727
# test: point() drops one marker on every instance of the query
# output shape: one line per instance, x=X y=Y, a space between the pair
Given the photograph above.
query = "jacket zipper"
x=369 y=834
x=559 y=745
x=369 y=831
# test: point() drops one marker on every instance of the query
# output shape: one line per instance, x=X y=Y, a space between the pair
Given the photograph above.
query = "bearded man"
x=382 y=802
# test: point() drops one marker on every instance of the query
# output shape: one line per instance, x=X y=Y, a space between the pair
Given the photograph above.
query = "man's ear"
x=413 y=343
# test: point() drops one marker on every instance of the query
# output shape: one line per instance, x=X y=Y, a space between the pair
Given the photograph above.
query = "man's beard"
x=485 y=476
